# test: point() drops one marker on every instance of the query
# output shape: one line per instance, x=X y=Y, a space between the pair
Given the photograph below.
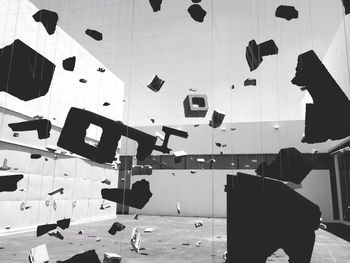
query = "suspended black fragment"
x=289 y=165
x=322 y=120
x=72 y=137
x=346 y=4
x=8 y=183
x=24 y=73
x=106 y=104
x=42 y=126
x=116 y=227
x=255 y=53
x=57 y=235
x=35 y=156
x=101 y=70
x=106 y=181
x=195 y=106
x=94 y=34
x=48 y=19
x=88 y=256
x=156 y=84
x=69 y=63
x=59 y=190
x=286 y=12
x=156 y=5
x=197 y=13
x=43 y=229
x=64 y=223
x=216 y=119
x=137 y=197
x=250 y=82
x=265 y=215
x=83 y=80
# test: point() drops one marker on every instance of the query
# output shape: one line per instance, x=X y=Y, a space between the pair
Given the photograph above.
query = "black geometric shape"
x=43 y=229
x=106 y=181
x=116 y=227
x=83 y=80
x=216 y=119
x=197 y=13
x=101 y=70
x=196 y=106
x=48 y=19
x=286 y=12
x=69 y=63
x=168 y=132
x=86 y=257
x=329 y=101
x=57 y=235
x=94 y=34
x=106 y=104
x=35 y=156
x=156 y=5
x=72 y=137
x=196 y=1
x=250 y=82
x=8 y=183
x=153 y=120
x=346 y=4
x=141 y=170
x=25 y=73
x=255 y=53
x=64 y=223
x=156 y=84
x=43 y=127
x=289 y=165
x=59 y=190
x=137 y=197
x=287 y=220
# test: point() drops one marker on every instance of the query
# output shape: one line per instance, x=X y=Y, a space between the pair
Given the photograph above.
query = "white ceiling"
x=208 y=57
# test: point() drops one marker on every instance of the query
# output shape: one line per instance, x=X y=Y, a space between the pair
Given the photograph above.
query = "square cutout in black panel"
x=153 y=161
x=168 y=162
x=198 y=102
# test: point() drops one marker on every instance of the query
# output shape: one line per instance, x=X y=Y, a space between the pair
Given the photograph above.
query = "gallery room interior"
x=174 y=131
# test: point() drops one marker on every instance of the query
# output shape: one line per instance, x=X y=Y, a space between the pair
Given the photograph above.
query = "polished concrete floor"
x=173 y=240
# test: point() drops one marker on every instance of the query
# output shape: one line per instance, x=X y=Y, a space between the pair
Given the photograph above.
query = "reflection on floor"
x=172 y=240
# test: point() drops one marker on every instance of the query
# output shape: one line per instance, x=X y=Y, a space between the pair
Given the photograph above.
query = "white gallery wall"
x=80 y=178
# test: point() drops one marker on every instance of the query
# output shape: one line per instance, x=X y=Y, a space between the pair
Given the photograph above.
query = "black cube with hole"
x=196 y=106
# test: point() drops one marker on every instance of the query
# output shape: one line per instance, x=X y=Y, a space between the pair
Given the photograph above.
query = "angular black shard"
x=290 y=165
x=346 y=4
x=86 y=257
x=286 y=12
x=232 y=86
x=195 y=106
x=255 y=53
x=83 y=80
x=153 y=120
x=48 y=19
x=25 y=73
x=106 y=104
x=137 y=197
x=64 y=223
x=94 y=34
x=59 y=190
x=43 y=229
x=101 y=70
x=196 y=1
x=35 y=156
x=250 y=82
x=218 y=144
x=116 y=227
x=106 y=181
x=286 y=220
x=156 y=5
x=329 y=101
x=156 y=84
x=42 y=126
x=197 y=13
x=216 y=119
x=69 y=63
x=8 y=183
x=57 y=235
x=136 y=217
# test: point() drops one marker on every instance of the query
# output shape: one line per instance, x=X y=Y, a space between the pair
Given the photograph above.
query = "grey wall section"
x=202 y=194
x=80 y=178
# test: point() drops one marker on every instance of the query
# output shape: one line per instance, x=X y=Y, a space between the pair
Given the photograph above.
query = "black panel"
x=193 y=164
x=154 y=161
x=226 y=162
x=250 y=161
x=168 y=162
x=125 y=162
